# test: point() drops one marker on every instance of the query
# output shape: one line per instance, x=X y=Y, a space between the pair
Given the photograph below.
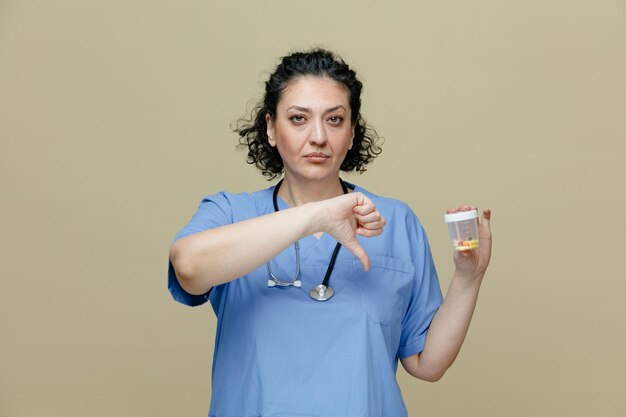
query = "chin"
x=316 y=174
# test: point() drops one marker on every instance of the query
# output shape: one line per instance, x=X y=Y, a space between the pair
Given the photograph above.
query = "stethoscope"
x=321 y=292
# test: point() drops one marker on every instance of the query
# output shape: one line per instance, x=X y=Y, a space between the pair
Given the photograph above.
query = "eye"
x=297 y=118
x=336 y=120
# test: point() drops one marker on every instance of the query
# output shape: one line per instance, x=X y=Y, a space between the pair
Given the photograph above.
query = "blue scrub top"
x=279 y=353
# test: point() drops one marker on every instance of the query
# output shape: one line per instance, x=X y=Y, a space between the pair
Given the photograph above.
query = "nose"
x=318 y=134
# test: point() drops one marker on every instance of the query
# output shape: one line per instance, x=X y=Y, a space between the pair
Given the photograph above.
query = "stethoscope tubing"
x=320 y=292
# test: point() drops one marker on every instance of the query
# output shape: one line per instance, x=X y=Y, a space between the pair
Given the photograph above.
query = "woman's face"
x=312 y=128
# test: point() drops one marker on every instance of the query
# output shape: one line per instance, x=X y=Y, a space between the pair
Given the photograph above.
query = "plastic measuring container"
x=463 y=229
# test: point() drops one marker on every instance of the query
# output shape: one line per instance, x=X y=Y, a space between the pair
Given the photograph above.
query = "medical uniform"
x=279 y=353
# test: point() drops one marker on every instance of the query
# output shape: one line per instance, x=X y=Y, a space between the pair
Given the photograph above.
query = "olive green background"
x=114 y=122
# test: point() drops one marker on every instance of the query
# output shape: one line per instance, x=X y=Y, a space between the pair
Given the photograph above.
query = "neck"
x=296 y=193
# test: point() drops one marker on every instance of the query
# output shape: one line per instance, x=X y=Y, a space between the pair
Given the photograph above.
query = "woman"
x=319 y=286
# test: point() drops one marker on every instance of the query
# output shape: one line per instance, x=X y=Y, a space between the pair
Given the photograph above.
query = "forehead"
x=312 y=91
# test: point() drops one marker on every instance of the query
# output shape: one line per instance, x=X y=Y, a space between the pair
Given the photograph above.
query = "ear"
x=270 y=130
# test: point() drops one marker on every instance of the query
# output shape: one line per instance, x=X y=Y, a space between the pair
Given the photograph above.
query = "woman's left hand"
x=473 y=263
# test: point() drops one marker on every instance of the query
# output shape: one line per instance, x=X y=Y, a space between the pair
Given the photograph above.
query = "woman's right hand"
x=349 y=215
x=213 y=256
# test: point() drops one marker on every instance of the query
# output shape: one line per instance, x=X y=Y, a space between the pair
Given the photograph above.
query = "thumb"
x=357 y=250
x=486 y=218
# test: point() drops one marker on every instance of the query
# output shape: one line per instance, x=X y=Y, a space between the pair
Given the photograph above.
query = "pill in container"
x=463 y=229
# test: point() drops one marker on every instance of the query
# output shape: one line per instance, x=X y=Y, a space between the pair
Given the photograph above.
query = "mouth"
x=317 y=155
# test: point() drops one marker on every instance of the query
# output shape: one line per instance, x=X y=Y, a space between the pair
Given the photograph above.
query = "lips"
x=316 y=155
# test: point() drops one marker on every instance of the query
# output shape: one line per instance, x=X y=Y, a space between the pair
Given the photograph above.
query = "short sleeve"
x=426 y=294
x=213 y=211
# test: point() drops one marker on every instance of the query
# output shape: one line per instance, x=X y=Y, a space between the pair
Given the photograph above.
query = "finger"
x=372 y=225
x=361 y=199
x=369 y=233
x=374 y=216
x=464 y=207
x=358 y=251
x=486 y=218
x=364 y=209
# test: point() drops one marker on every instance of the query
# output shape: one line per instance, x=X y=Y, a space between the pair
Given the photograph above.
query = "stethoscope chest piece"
x=321 y=292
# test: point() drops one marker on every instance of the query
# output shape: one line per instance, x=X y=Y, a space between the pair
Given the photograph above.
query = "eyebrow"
x=307 y=110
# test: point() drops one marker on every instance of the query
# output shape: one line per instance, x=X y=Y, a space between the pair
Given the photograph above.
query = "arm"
x=451 y=322
x=219 y=255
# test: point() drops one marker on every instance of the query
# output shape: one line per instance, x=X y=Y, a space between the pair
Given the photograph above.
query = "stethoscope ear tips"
x=273 y=283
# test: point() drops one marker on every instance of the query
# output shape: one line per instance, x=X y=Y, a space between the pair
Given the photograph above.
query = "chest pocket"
x=385 y=288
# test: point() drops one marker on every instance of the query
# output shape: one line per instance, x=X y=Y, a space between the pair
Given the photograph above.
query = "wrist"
x=313 y=214
x=472 y=278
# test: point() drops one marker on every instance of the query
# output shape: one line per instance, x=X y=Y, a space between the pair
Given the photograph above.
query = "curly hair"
x=320 y=63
